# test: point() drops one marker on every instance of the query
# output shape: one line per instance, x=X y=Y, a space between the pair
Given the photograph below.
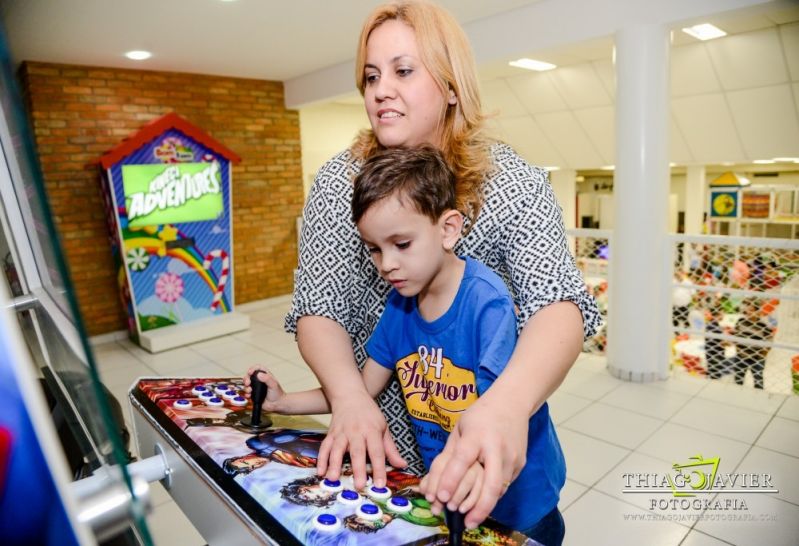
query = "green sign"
x=172 y=193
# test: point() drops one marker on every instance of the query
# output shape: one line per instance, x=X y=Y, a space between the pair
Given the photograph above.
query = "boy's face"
x=406 y=246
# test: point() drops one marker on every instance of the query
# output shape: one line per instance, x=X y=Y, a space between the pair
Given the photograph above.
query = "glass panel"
x=54 y=332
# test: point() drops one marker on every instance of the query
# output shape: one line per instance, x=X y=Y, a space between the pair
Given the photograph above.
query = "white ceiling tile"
x=600 y=126
x=607 y=73
x=745 y=60
x=784 y=15
x=498 y=99
x=537 y=93
x=766 y=120
x=746 y=22
x=790 y=44
x=565 y=133
x=691 y=71
x=707 y=127
x=526 y=137
x=796 y=95
x=678 y=149
x=580 y=86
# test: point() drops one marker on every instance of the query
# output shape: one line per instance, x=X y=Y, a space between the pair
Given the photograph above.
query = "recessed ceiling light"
x=672 y=164
x=607 y=167
x=727 y=163
x=763 y=161
x=787 y=159
x=705 y=31
x=550 y=169
x=138 y=55
x=532 y=64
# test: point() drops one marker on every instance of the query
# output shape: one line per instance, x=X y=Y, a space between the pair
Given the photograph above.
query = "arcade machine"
x=241 y=477
x=65 y=473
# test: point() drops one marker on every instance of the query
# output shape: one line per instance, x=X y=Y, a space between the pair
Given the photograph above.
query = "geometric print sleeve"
x=324 y=272
x=540 y=266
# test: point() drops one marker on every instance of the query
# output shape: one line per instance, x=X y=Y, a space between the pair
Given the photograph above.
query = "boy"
x=448 y=328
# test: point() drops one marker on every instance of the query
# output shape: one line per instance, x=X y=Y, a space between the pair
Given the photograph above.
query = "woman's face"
x=403 y=102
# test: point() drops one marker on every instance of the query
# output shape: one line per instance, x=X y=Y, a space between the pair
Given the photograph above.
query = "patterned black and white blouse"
x=518 y=233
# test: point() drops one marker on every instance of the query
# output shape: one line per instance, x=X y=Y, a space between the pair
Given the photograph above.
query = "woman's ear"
x=452 y=99
x=451 y=223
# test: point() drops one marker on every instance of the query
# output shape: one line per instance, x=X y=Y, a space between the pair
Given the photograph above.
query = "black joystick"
x=455 y=524
x=257 y=422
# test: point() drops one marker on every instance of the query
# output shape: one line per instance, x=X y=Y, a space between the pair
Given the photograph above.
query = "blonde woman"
x=417 y=76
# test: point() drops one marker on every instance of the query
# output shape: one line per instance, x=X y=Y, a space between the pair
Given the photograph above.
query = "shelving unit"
x=755 y=211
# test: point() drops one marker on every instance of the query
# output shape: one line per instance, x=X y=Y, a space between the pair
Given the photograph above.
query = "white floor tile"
x=119 y=377
x=255 y=357
x=169 y=525
x=695 y=538
x=790 y=408
x=599 y=520
x=784 y=471
x=613 y=425
x=737 y=395
x=260 y=335
x=288 y=374
x=682 y=383
x=206 y=369
x=223 y=347
x=571 y=492
x=591 y=363
x=587 y=459
x=767 y=521
x=675 y=443
x=730 y=421
x=166 y=362
x=589 y=384
x=781 y=435
x=646 y=400
x=287 y=351
x=563 y=405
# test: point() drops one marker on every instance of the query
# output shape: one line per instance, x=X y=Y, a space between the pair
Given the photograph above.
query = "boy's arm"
x=313 y=401
x=375 y=377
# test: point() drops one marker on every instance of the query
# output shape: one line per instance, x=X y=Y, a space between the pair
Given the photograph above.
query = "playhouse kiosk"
x=168 y=196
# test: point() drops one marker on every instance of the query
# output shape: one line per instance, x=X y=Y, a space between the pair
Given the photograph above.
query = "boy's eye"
x=403 y=245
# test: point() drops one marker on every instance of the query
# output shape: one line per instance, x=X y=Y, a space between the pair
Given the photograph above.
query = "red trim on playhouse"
x=155 y=129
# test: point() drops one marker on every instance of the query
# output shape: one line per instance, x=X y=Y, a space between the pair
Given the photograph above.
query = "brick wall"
x=79 y=113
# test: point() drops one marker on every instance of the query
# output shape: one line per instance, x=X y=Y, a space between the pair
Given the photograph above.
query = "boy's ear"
x=451 y=223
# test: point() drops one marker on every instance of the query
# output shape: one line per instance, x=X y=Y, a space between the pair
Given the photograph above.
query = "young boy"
x=448 y=328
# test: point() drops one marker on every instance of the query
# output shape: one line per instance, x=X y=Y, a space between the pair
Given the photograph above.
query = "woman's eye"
x=402 y=72
x=372 y=250
x=403 y=245
x=371 y=78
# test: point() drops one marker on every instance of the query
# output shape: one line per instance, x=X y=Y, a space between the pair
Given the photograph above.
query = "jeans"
x=549 y=530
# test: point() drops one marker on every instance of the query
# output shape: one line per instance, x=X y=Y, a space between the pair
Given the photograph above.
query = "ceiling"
x=734 y=99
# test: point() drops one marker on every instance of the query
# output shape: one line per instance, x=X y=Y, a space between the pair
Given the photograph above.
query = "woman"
x=416 y=73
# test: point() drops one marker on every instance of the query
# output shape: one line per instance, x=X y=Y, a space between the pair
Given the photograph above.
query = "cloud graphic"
x=217 y=229
x=178 y=268
x=182 y=309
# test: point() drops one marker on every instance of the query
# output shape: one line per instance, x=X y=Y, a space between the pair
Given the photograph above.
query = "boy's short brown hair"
x=418 y=175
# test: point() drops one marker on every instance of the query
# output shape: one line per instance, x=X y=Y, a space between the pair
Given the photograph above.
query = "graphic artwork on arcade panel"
x=276 y=468
x=167 y=192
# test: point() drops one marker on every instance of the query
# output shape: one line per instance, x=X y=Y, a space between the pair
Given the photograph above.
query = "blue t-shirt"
x=444 y=365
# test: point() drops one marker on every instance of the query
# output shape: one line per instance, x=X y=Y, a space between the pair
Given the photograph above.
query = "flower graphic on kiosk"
x=169 y=287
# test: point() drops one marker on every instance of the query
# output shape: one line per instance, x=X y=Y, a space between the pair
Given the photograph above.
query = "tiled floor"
x=607 y=428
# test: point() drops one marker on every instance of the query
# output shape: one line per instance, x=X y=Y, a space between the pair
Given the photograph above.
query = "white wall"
x=326 y=130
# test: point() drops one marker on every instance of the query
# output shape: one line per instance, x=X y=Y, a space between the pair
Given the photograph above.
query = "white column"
x=639 y=304
x=564 y=184
x=695 y=196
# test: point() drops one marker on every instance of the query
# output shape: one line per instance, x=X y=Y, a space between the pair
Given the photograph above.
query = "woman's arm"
x=494 y=429
x=357 y=425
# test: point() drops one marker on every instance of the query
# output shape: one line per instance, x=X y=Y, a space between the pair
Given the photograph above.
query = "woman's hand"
x=488 y=433
x=358 y=427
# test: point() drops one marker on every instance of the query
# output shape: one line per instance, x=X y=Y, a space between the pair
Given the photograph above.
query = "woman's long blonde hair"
x=445 y=52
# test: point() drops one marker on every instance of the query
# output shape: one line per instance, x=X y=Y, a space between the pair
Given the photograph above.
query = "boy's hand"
x=467 y=494
x=275 y=395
